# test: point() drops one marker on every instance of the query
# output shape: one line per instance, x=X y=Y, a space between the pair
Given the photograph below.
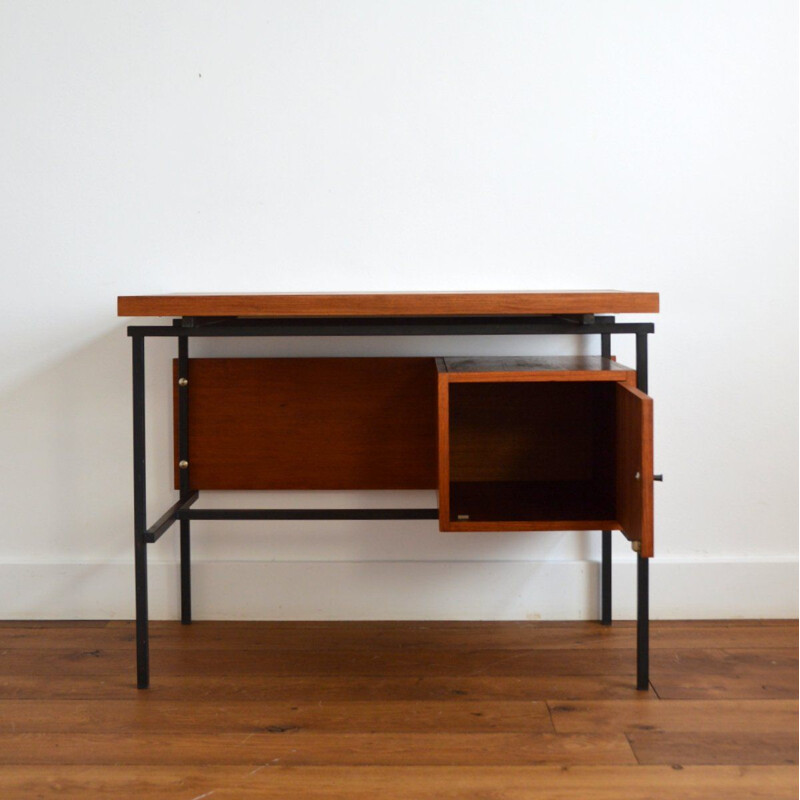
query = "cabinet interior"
x=532 y=451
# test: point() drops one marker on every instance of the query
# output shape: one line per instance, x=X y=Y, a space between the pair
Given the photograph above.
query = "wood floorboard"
x=751 y=686
x=141 y=715
x=385 y=710
x=314 y=749
x=282 y=636
x=777 y=665
x=664 y=747
x=399 y=783
x=319 y=688
x=470 y=662
x=718 y=674
x=675 y=716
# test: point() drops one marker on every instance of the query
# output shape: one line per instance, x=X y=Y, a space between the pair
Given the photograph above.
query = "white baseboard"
x=457 y=590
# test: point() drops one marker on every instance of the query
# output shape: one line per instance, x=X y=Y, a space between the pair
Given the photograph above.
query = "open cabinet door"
x=635 y=466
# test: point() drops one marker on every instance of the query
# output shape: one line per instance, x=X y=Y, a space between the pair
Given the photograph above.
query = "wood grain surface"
x=411 y=304
x=634 y=449
x=390 y=710
x=311 y=423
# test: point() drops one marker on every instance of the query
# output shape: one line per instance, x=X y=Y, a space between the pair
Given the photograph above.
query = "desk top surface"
x=412 y=304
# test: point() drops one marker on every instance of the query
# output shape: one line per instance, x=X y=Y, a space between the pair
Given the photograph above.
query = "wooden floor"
x=412 y=710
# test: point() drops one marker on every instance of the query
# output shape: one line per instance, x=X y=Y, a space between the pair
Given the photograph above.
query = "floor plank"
x=298 y=747
x=467 y=662
x=778 y=665
x=394 y=636
x=725 y=673
x=319 y=688
x=147 y=713
x=751 y=686
x=662 y=747
x=400 y=783
x=675 y=716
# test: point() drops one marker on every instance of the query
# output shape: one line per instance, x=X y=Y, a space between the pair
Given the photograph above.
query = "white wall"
x=159 y=146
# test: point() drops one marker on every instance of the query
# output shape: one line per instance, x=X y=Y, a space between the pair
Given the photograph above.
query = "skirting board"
x=455 y=590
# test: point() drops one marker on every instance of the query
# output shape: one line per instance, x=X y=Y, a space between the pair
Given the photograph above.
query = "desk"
x=528 y=444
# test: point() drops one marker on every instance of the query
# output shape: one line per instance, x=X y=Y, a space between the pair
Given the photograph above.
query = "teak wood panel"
x=311 y=423
x=634 y=438
x=388 y=304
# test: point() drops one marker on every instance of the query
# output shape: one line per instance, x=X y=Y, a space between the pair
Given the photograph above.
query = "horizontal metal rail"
x=389 y=326
x=308 y=513
x=155 y=532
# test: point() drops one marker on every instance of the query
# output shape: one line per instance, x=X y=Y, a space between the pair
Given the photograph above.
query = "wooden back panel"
x=527 y=432
x=311 y=423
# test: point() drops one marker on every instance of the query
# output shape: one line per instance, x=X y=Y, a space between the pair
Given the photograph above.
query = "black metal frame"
x=188 y=327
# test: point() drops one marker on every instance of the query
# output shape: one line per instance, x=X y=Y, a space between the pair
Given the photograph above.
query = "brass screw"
x=183 y=464
x=183 y=382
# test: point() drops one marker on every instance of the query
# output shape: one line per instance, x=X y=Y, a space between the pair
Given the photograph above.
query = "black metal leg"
x=605 y=345
x=605 y=580
x=186 y=574
x=183 y=457
x=641 y=361
x=605 y=564
x=642 y=623
x=642 y=564
x=140 y=516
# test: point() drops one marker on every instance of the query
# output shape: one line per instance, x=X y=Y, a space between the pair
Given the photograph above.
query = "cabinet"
x=544 y=444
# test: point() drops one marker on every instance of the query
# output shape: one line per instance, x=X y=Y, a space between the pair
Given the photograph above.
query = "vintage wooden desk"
x=508 y=443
